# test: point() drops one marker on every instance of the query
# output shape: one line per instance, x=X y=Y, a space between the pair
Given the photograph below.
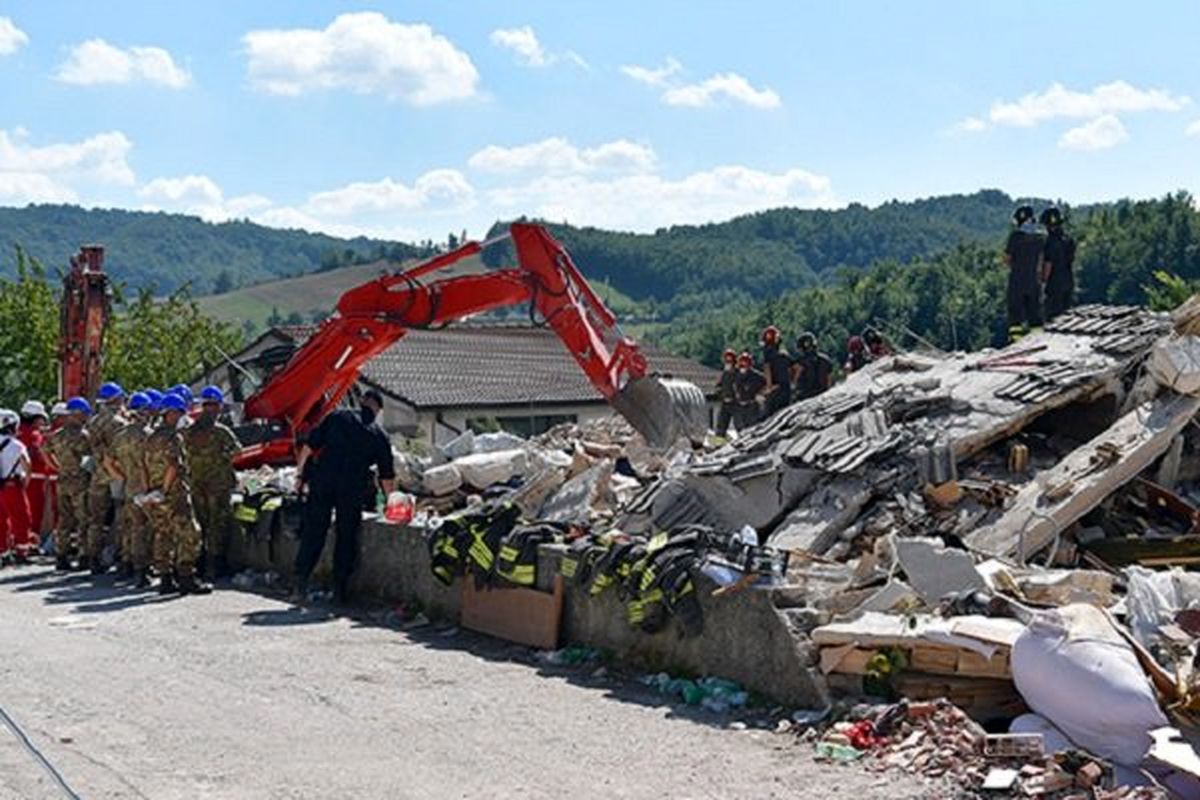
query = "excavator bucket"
x=663 y=410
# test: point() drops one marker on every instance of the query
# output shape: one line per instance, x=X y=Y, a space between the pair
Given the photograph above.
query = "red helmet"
x=770 y=335
x=745 y=360
x=729 y=356
x=855 y=344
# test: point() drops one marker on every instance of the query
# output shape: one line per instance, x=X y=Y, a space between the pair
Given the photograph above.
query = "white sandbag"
x=1154 y=598
x=495 y=442
x=459 y=446
x=482 y=470
x=1072 y=667
x=1175 y=364
x=442 y=480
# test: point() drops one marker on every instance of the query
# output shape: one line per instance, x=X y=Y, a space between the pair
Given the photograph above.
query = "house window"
x=526 y=426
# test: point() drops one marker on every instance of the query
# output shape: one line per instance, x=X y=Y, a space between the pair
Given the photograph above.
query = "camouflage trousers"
x=72 y=514
x=215 y=516
x=136 y=535
x=176 y=535
x=99 y=503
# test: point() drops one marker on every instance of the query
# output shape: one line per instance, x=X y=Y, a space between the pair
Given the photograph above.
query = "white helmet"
x=8 y=417
x=59 y=410
x=33 y=408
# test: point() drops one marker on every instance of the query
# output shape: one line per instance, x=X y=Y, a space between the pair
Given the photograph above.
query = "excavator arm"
x=373 y=316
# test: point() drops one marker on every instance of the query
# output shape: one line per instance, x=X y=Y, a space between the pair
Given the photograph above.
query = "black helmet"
x=806 y=341
x=871 y=336
x=1051 y=217
x=1022 y=215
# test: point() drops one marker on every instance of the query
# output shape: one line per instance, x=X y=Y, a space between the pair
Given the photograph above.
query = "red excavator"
x=373 y=316
x=83 y=316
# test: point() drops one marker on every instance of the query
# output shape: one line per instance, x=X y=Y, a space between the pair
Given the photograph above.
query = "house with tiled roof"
x=439 y=383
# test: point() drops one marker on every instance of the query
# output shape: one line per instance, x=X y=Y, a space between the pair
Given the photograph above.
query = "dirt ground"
x=237 y=695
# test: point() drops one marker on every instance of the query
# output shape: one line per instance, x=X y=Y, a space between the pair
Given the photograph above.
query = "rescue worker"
x=58 y=417
x=104 y=487
x=32 y=433
x=346 y=446
x=168 y=505
x=211 y=447
x=67 y=449
x=1058 y=264
x=777 y=368
x=748 y=385
x=856 y=355
x=813 y=369
x=14 y=506
x=1023 y=255
x=129 y=450
x=725 y=391
x=877 y=346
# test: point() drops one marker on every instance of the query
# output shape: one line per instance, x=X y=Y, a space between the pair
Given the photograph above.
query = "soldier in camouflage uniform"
x=67 y=448
x=176 y=534
x=102 y=427
x=211 y=447
x=129 y=449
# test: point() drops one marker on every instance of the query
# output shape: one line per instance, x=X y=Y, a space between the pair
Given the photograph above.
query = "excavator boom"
x=373 y=316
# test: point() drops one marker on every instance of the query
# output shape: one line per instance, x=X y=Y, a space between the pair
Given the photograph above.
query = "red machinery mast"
x=84 y=316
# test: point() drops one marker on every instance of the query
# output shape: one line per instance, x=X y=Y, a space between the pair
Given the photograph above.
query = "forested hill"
x=760 y=255
x=166 y=251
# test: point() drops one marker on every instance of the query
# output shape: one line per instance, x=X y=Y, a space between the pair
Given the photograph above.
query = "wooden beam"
x=1082 y=480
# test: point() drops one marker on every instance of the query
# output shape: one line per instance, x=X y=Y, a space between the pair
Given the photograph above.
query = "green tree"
x=223 y=282
x=29 y=320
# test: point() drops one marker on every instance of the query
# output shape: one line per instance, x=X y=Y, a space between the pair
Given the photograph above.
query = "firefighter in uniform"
x=67 y=448
x=725 y=391
x=128 y=448
x=1058 y=264
x=814 y=369
x=1023 y=255
x=748 y=385
x=777 y=367
x=211 y=447
x=103 y=487
x=168 y=504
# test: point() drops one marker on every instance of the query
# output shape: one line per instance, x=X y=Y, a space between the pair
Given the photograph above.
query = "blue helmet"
x=78 y=404
x=138 y=401
x=173 y=402
x=155 y=398
x=110 y=391
x=212 y=394
x=183 y=391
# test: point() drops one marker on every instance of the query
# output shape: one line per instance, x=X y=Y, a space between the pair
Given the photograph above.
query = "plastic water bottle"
x=400 y=508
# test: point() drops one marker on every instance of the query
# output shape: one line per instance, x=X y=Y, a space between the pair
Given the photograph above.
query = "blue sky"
x=413 y=119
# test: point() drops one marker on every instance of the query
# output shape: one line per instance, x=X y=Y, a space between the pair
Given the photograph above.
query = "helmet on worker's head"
x=8 y=419
x=59 y=409
x=1051 y=217
x=729 y=356
x=872 y=336
x=173 y=402
x=744 y=359
x=806 y=341
x=855 y=344
x=770 y=335
x=109 y=392
x=183 y=391
x=138 y=401
x=212 y=394
x=34 y=408
x=155 y=397
x=1023 y=214
x=77 y=405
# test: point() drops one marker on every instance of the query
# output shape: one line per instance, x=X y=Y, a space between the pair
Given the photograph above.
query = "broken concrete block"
x=1175 y=364
x=895 y=595
x=576 y=499
x=443 y=480
x=459 y=446
x=495 y=442
x=482 y=470
x=934 y=571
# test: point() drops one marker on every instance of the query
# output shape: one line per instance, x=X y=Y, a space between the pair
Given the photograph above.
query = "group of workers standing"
x=1041 y=269
x=140 y=481
x=749 y=394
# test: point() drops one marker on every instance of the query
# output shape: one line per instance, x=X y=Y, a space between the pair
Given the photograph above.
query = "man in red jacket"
x=32 y=433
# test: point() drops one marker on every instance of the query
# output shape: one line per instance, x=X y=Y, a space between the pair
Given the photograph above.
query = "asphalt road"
x=237 y=695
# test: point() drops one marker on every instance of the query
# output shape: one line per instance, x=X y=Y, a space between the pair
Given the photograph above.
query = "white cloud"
x=653 y=76
x=201 y=196
x=1060 y=102
x=523 y=42
x=442 y=190
x=1100 y=133
x=728 y=85
x=52 y=173
x=1193 y=129
x=969 y=125
x=365 y=53
x=557 y=155
x=96 y=62
x=648 y=201
x=12 y=38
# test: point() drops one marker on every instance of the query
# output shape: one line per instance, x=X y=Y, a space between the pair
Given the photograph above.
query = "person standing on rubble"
x=877 y=346
x=777 y=368
x=1023 y=255
x=748 y=384
x=67 y=449
x=725 y=391
x=335 y=467
x=129 y=449
x=211 y=447
x=813 y=369
x=104 y=489
x=856 y=355
x=1058 y=263
x=168 y=504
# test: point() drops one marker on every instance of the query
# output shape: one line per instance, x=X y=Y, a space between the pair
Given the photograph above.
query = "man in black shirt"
x=725 y=391
x=814 y=369
x=335 y=462
x=1058 y=264
x=748 y=384
x=777 y=366
x=1023 y=255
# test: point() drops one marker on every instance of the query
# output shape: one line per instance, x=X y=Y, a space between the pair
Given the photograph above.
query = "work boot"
x=299 y=595
x=62 y=564
x=189 y=584
x=124 y=571
x=166 y=584
x=141 y=579
x=97 y=566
